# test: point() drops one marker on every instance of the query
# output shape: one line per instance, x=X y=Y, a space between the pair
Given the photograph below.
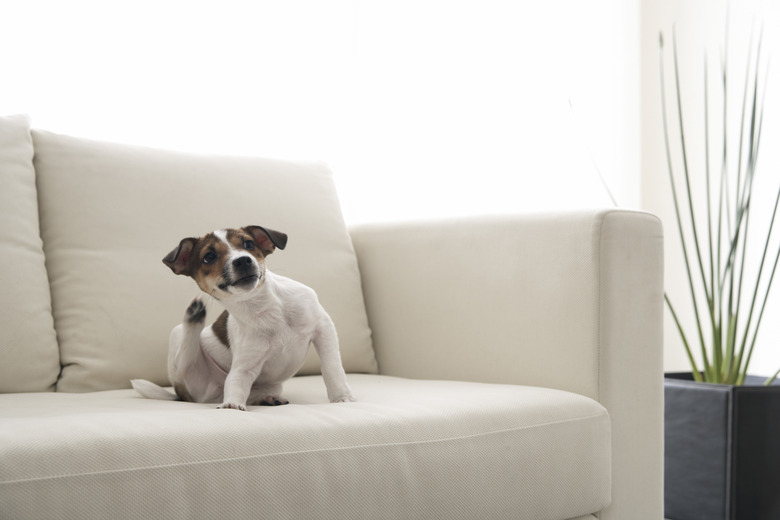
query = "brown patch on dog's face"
x=207 y=262
x=228 y=261
x=240 y=239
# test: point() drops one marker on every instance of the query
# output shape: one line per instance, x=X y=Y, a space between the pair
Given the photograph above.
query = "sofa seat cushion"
x=518 y=452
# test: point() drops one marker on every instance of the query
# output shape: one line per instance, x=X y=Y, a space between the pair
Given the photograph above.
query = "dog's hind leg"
x=184 y=349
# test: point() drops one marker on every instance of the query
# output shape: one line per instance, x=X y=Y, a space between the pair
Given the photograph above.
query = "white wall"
x=701 y=27
x=424 y=108
x=472 y=101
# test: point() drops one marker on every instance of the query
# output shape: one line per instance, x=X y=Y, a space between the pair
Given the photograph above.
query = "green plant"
x=728 y=307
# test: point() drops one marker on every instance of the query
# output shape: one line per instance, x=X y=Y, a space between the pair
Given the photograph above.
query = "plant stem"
x=705 y=359
x=694 y=368
x=771 y=380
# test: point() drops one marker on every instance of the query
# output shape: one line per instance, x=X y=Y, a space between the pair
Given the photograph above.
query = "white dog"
x=262 y=338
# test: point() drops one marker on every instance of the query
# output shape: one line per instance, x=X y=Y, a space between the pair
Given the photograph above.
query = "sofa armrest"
x=572 y=301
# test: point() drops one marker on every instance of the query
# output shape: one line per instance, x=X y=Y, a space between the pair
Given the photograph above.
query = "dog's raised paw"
x=196 y=312
x=231 y=406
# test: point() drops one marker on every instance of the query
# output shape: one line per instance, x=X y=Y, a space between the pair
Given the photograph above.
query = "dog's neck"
x=248 y=308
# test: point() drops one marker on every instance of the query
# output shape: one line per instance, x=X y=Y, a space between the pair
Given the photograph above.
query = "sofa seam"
x=599 y=294
x=603 y=413
x=602 y=223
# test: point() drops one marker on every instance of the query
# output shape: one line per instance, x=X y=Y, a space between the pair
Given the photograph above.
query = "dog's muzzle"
x=241 y=273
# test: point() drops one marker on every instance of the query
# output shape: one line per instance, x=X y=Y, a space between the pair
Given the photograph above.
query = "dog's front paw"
x=231 y=406
x=346 y=397
x=196 y=312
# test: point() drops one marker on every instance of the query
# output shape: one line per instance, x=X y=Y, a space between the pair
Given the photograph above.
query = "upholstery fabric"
x=110 y=213
x=407 y=449
x=572 y=301
x=28 y=343
x=524 y=289
x=556 y=319
x=631 y=357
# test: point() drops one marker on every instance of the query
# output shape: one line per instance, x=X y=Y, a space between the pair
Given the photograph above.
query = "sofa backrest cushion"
x=28 y=343
x=110 y=213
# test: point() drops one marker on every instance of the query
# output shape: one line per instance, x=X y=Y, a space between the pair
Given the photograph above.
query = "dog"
x=262 y=337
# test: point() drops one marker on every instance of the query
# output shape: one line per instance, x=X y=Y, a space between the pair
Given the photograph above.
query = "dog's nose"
x=242 y=261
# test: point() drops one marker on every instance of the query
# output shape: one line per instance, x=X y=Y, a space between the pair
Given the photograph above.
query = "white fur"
x=152 y=391
x=270 y=328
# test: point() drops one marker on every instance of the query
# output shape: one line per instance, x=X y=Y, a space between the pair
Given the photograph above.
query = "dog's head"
x=228 y=262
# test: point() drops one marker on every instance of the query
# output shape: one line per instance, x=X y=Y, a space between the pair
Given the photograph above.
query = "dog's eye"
x=209 y=257
x=249 y=245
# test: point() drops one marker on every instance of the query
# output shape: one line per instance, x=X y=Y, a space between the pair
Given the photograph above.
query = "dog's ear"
x=267 y=239
x=179 y=259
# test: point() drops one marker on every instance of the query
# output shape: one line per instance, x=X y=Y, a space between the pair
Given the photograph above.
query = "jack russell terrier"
x=260 y=341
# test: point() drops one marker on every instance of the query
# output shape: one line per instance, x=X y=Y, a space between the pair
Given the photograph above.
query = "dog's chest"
x=279 y=344
x=276 y=330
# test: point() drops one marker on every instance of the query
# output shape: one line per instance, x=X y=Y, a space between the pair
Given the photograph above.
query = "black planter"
x=722 y=450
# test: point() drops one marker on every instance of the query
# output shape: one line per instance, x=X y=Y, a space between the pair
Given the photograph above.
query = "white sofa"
x=505 y=367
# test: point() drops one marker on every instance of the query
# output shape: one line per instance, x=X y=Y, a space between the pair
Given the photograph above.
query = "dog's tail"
x=152 y=391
